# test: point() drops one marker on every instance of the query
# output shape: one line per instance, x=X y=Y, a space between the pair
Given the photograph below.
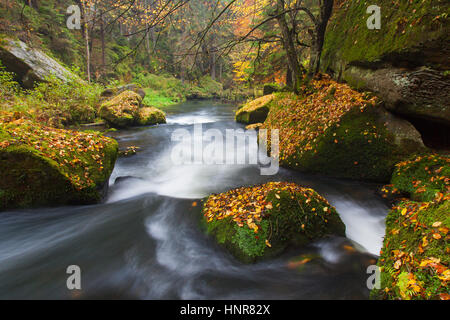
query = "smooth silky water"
x=145 y=242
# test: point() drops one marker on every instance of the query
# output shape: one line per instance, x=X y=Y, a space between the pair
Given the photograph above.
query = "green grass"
x=159 y=99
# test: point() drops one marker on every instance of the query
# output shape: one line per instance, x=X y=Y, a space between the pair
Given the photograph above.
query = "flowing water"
x=144 y=241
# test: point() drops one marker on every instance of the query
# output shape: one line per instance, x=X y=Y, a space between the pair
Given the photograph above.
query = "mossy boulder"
x=151 y=116
x=405 y=62
x=337 y=131
x=262 y=221
x=43 y=166
x=124 y=110
x=255 y=111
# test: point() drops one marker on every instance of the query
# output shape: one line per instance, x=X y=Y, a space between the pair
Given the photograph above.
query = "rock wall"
x=405 y=63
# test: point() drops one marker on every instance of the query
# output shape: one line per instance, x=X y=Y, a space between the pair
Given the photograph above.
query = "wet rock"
x=151 y=116
x=407 y=66
x=125 y=110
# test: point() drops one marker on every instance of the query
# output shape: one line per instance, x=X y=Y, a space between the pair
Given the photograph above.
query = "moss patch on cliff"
x=262 y=221
x=48 y=166
x=405 y=27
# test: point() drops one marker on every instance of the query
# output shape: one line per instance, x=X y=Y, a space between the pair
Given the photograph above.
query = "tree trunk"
x=147 y=37
x=213 y=64
x=289 y=46
x=318 y=37
x=86 y=39
x=102 y=36
x=289 y=82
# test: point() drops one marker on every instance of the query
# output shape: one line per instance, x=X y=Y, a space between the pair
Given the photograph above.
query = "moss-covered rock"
x=405 y=62
x=43 y=166
x=340 y=132
x=151 y=116
x=124 y=110
x=408 y=29
x=259 y=222
x=255 y=111
x=423 y=178
x=415 y=257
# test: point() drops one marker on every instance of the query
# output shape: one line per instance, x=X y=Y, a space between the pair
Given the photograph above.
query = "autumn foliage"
x=415 y=255
x=84 y=159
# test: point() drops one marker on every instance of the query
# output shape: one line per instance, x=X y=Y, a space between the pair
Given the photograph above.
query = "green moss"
x=123 y=110
x=150 y=116
x=413 y=257
x=45 y=166
x=207 y=88
x=295 y=219
x=423 y=177
x=405 y=26
x=334 y=130
x=357 y=147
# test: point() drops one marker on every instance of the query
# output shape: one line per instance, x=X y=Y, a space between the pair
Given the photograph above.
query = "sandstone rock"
x=30 y=64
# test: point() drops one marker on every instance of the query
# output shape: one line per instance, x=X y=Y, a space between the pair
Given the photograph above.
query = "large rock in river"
x=255 y=111
x=42 y=166
x=124 y=110
x=259 y=222
x=337 y=131
x=151 y=115
x=31 y=65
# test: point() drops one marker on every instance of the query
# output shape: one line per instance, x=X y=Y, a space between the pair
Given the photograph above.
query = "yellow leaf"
x=437 y=224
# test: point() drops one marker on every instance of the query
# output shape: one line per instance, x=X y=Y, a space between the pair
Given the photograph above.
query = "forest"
x=225 y=150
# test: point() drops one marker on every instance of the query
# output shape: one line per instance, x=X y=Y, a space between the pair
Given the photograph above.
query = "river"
x=144 y=241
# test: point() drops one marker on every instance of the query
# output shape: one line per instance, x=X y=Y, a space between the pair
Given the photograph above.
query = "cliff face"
x=406 y=62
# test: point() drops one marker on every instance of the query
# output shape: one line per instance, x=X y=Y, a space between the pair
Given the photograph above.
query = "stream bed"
x=145 y=242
